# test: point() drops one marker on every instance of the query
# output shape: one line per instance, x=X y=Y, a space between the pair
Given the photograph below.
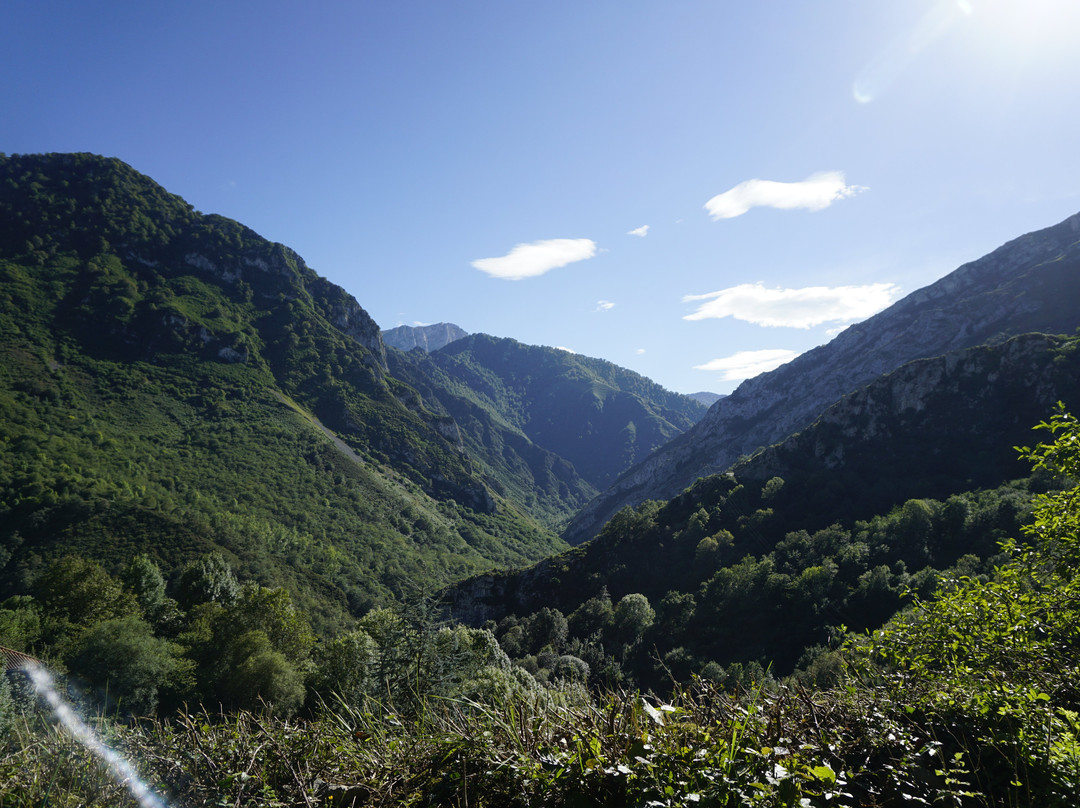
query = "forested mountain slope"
x=171 y=382
x=548 y=426
x=599 y=416
x=1030 y=284
x=825 y=528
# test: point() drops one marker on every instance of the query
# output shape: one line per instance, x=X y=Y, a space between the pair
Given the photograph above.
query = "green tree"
x=80 y=592
x=632 y=616
x=346 y=666
x=210 y=578
x=123 y=658
x=995 y=663
x=20 y=623
x=142 y=577
x=271 y=611
x=74 y=594
x=593 y=616
x=258 y=673
x=547 y=627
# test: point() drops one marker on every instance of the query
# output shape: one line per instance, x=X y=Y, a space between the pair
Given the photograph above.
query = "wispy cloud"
x=639 y=351
x=747 y=364
x=639 y=231
x=531 y=260
x=816 y=192
x=794 y=308
x=604 y=305
x=564 y=348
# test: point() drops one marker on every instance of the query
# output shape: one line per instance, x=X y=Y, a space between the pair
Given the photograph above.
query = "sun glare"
x=989 y=35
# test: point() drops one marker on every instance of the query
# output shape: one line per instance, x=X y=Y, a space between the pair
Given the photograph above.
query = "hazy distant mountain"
x=1030 y=284
x=428 y=337
x=551 y=426
x=708 y=399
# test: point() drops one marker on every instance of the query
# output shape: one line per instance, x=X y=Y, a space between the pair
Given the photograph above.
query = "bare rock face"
x=427 y=337
x=1029 y=284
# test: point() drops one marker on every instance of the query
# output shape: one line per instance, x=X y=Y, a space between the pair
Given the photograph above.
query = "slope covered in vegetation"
x=966 y=698
x=549 y=427
x=174 y=384
x=888 y=490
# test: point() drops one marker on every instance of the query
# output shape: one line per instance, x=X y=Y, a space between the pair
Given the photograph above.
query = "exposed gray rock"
x=428 y=337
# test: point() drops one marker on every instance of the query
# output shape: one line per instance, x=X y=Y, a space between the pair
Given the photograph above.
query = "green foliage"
x=124 y=660
x=257 y=672
x=632 y=616
x=996 y=660
x=549 y=427
x=741 y=589
x=144 y=580
x=966 y=699
x=252 y=650
x=547 y=748
x=404 y=656
x=174 y=385
x=20 y=623
x=208 y=580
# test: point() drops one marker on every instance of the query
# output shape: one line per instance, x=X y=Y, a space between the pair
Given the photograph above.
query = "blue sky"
x=694 y=190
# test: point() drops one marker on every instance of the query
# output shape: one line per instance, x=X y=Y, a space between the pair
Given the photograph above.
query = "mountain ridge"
x=215 y=384
x=1027 y=284
x=933 y=428
x=174 y=383
x=561 y=423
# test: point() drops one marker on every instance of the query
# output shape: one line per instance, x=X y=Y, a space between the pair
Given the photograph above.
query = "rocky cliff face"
x=1029 y=284
x=428 y=337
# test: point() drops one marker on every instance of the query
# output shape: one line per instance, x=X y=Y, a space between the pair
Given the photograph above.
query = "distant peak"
x=428 y=337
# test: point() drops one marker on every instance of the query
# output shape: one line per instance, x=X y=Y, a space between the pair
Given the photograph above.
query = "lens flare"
x=119 y=768
x=903 y=51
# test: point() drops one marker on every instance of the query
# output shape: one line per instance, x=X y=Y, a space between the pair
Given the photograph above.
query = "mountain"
x=1029 y=284
x=706 y=398
x=428 y=337
x=173 y=383
x=599 y=416
x=908 y=475
x=548 y=427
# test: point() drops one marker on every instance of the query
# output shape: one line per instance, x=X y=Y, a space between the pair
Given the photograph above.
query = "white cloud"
x=794 y=308
x=816 y=192
x=563 y=348
x=639 y=231
x=747 y=364
x=604 y=305
x=639 y=351
x=530 y=260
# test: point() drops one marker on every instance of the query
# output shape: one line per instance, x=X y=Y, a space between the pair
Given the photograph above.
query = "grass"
x=559 y=747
